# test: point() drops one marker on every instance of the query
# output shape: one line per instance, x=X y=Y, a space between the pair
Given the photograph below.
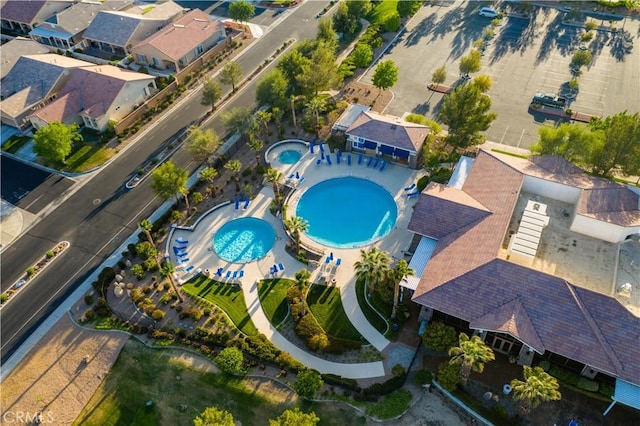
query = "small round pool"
x=347 y=212
x=289 y=156
x=244 y=240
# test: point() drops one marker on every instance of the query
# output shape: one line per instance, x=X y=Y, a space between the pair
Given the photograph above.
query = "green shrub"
x=587 y=384
x=138 y=271
x=393 y=405
x=544 y=364
x=165 y=298
x=318 y=341
x=606 y=389
x=308 y=326
x=89 y=315
x=563 y=375
x=88 y=299
x=392 y=23
x=145 y=250
x=308 y=383
x=3 y=298
x=157 y=314
x=230 y=360
x=388 y=386
x=260 y=347
x=422 y=377
x=448 y=375
x=346 y=383
x=49 y=254
x=422 y=183
x=439 y=337
x=30 y=271
x=397 y=370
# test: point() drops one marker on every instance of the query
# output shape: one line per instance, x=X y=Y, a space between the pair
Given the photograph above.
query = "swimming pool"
x=289 y=156
x=347 y=212
x=244 y=240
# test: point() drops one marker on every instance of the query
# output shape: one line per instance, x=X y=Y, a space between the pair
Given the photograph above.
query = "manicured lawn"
x=273 y=298
x=326 y=306
x=143 y=374
x=374 y=318
x=228 y=297
x=381 y=11
x=87 y=157
x=14 y=143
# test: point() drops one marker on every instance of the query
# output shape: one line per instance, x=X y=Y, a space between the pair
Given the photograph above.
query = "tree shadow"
x=421 y=30
x=601 y=39
x=559 y=36
x=422 y=108
x=621 y=45
x=516 y=36
x=449 y=22
x=472 y=31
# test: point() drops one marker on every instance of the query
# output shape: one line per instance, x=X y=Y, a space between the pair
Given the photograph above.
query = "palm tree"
x=147 y=226
x=373 y=267
x=234 y=166
x=256 y=146
x=315 y=106
x=274 y=176
x=166 y=270
x=538 y=386
x=263 y=118
x=297 y=225
x=208 y=174
x=471 y=354
x=399 y=271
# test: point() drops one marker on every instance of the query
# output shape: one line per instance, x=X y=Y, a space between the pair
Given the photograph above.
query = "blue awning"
x=386 y=149
x=401 y=153
x=47 y=33
x=419 y=261
x=370 y=145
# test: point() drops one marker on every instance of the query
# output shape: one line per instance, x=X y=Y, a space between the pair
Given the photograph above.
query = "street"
x=99 y=216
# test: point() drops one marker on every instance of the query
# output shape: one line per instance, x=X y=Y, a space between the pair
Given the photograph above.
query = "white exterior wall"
x=553 y=190
x=133 y=93
x=601 y=230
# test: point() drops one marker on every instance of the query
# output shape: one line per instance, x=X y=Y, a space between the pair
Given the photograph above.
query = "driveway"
x=525 y=56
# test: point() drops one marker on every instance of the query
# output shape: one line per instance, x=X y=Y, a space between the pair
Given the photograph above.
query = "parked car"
x=488 y=12
x=550 y=100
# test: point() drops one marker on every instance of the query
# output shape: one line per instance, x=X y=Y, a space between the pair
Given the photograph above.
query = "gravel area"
x=56 y=379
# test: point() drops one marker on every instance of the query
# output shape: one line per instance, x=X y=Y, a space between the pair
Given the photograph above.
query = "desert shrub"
x=397 y=370
x=157 y=314
x=161 y=335
x=587 y=384
x=49 y=254
x=206 y=312
x=422 y=377
x=165 y=298
x=136 y=295
x=260 y=347
x=146 y=289
x=193 y=313
x=150 y=265
x=285 y=360
x=145 y=250
x=448 y=375
x=439 y=337
x=89 y=315
x=88 y=299
x=138 y=271
x=308 y=326
x=318 y=341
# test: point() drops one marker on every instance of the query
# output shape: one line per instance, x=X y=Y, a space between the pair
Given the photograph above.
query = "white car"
x=488 y=12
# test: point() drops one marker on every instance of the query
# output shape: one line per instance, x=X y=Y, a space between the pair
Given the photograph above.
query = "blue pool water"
x=244 y=240
x=347 y=212
x=289 y=156
x=399 y=355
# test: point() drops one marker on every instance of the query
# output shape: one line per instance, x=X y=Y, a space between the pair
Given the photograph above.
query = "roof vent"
x=393 y=127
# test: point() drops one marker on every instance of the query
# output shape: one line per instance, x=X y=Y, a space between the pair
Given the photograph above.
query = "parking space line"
x=520 y=140
x=504 y=134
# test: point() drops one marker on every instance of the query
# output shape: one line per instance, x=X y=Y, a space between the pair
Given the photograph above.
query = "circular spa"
x=347 y=212
x=244 y=240
x=290 y=156
x=285 y=153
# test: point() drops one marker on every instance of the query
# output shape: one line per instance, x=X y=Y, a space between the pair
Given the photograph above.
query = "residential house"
x=115 y=32
x=19 y=17
x=388 y=137
x=178 y=44
x=12 y=51
x=94 y=96
x=64 y=29
x=539 y=259
x=33 y=82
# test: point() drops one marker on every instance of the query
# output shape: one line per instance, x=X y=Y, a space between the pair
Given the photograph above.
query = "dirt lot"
x=54 y=378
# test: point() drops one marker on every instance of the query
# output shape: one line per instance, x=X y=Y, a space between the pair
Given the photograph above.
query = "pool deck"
x=202 y=256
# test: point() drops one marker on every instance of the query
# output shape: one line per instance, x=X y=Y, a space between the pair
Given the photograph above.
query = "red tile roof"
x=617 y=204
x=389 y=130
x=23 y=11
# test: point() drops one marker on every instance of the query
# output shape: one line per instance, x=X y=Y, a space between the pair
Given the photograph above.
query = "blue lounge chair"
x=412 y=194
x=241 y=274
x=291 y=175
x=177 y=250
x=297 y=175
x=189 y=269
x=349 y=159
x=311 y=146
x=318 y=161
x=235 y=274
x=228 y=274
x=331 y=256
x=246 y=204
x=184 y=254
x=219 y=272
x=375 y=163
x=181 y=241
x=327 y=261
x=338 y=262
x=329 y=159
x=370 y=161
x=281 y=266
x=273 y=270
x=237 y=203
x=321 y=147
x=409 y=188
x=384 y=164
x=301 y=179
x=359 y=158
x=338 y=158
x=322 y=155
x=185 y=260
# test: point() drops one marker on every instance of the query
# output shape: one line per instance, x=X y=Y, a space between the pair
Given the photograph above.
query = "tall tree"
x=372 y=267
x=54 y=142
x=483 y=82
x=238 y=120
x=409 y=7
x=327 y=34
x=537 y=387
x=471 y=62
x=241 y=11
x=343 y=21
x=292 y=64
x=263 y=118
x=202 y=144
x=399 y=271
x=362 y=55
x=619 y=145
x=471 y=355
x=169 y=180
x=315 y=107
x=297 y=225
x=208 y=175
x=277 y=113
x=213 y=416
x=231 y=74
x=385 y=75
x=295 y=417
x=211 y=93
x=234 y=166
x=439 y=75
x=574 y=142
x=466 y=112
x=147 y=226
x=256 y=146
x=321 y=73
x=358 y=8
x=272 y=89
x=308 y=383
x=274 y=176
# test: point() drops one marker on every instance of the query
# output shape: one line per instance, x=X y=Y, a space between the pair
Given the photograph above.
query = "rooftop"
x=77 y=18
x=12 y=51
x=389 y=130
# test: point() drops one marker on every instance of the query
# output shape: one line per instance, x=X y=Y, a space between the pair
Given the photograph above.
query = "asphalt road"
x=100 y=215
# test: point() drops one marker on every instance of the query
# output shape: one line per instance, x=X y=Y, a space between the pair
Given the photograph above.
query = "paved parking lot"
x=526 y=56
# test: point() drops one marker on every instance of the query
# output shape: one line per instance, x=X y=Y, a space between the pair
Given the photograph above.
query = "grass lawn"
x=226 y=296
x=273 y=298
x=14 y=143
x=382 y=11
x=374 y=318
x=87 y=157
x=143 y=374
x=326 y=305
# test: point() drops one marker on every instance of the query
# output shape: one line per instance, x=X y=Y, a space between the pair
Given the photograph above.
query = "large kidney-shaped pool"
x=347 y=212
x=244 y=240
